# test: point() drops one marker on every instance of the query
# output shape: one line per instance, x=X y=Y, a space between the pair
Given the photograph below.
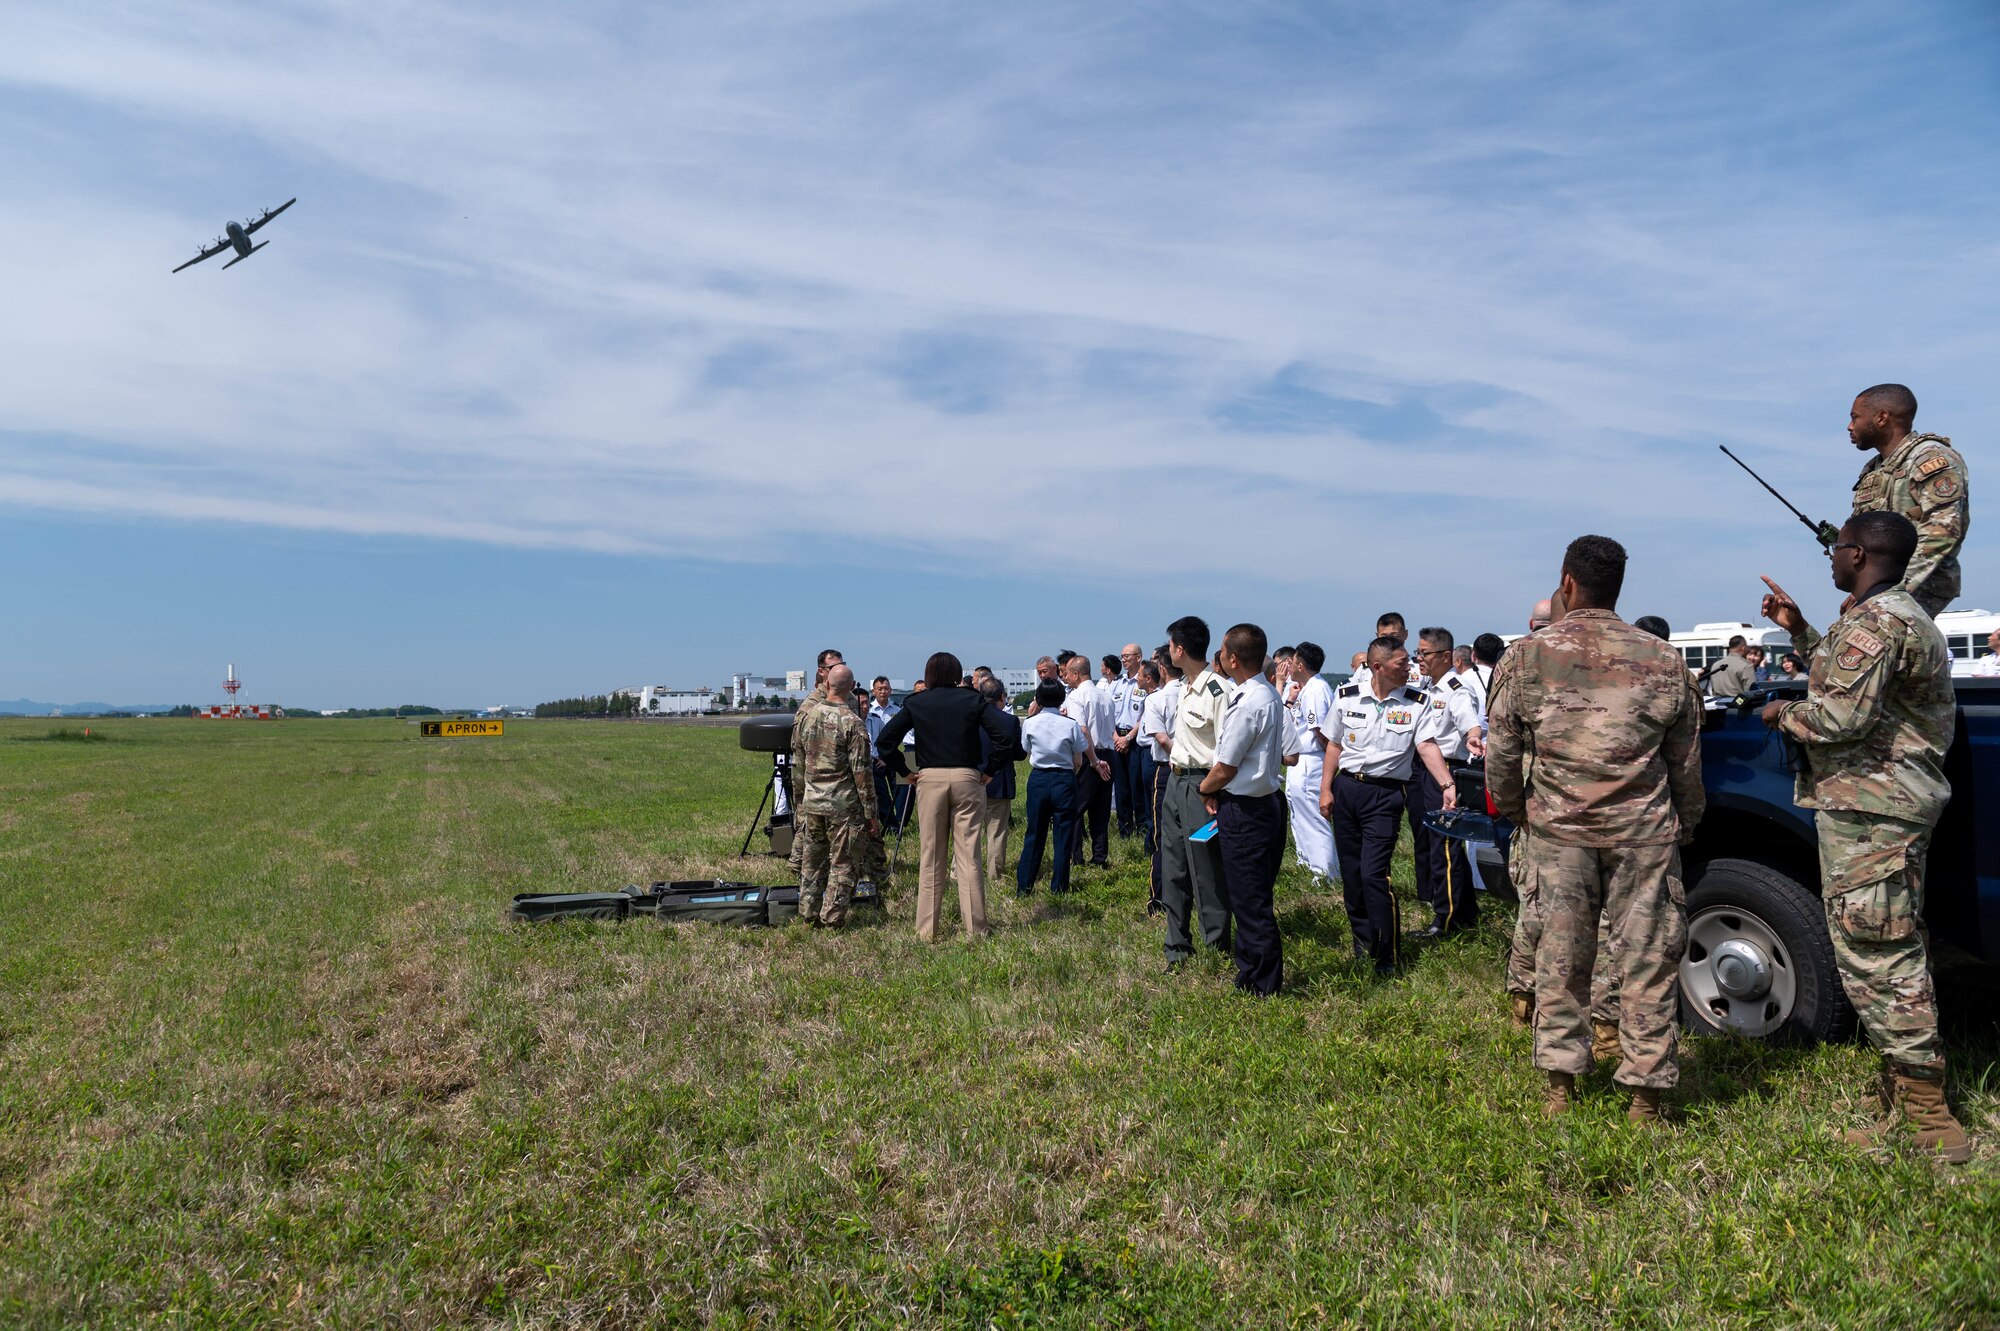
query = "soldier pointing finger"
x=1875 y=723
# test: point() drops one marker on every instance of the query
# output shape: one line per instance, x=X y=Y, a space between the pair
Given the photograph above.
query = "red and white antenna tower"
x=230 y=684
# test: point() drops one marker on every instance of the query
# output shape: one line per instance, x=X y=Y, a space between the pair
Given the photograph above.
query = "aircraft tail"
x=246 y=254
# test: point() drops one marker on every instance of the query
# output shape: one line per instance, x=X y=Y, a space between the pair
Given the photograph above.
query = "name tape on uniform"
x=457 y=729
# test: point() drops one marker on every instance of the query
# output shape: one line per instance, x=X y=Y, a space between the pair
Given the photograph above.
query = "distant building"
x=745 y=687
x=659 y=700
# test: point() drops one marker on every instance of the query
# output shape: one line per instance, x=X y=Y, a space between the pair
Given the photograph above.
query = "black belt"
x=1124 y=730
x=1375 y=780
x=1189 y=771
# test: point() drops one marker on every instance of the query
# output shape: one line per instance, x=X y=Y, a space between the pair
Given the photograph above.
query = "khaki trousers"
x=994 y=824
x=951 y=806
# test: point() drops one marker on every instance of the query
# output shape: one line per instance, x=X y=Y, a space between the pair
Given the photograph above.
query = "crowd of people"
x=1216 y=753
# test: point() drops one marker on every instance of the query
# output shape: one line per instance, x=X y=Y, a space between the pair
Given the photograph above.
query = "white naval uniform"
x=1312 y=837
x=1458 y=708
x=1251 y=738
x=1157 y=717
x=1089 y=705
x=1474 y=680
x=1378 y=737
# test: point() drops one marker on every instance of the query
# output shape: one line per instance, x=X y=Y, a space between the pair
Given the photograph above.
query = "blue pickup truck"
x=1759 y=962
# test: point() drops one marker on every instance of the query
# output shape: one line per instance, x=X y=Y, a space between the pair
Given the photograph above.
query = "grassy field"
x=273 y=1057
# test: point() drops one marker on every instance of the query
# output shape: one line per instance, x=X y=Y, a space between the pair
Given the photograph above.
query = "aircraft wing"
x=269 y=213
x=208 y=253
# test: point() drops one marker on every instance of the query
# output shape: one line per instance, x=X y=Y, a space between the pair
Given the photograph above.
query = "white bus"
x=1965 y=632
x=1707 y=643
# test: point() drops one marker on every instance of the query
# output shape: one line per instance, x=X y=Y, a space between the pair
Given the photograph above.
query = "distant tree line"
x=407 y=709
x=601 y=704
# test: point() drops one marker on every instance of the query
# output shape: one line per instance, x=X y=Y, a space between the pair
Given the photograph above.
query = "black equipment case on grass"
x=537 y=907
x=709 y=900
x=715 y=902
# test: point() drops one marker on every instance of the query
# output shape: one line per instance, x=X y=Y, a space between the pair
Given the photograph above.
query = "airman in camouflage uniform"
x=1875 y=724
x=836 y=770
x=1606 y=715
x=1920 y=476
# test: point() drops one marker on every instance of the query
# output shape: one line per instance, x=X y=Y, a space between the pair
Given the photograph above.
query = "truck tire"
x=1759 y=963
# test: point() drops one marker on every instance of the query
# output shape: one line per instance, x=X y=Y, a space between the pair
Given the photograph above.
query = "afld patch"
x=1934 y=463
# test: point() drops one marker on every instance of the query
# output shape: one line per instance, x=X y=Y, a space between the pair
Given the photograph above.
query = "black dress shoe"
x=1434 y=932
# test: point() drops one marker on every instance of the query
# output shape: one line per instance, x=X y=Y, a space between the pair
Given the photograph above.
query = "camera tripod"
x=777 y=793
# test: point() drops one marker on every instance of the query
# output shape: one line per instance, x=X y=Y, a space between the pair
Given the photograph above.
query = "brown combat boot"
x=1645 y=1107
x=1604 y=1047
x=1522 y=1006
x=1556 y=1099
x=1886 y=1116
x=1932 y=1127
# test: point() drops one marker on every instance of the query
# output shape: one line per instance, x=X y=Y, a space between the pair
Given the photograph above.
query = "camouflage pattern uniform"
x=1605 y=714
x=1877 y=718
x=830 y=754
x=1923 y=478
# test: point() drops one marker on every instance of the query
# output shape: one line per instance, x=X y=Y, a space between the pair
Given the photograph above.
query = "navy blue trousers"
x=1051 y=801
x=1444 y=876
x=1093 y=810
x=892 y=802
x=1366 y=819
x=1250 y=833
x=1132 y=791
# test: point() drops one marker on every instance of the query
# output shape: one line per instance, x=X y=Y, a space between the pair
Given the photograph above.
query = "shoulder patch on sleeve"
x=1861 y=640
x=1945 y=486
x=1936 y=462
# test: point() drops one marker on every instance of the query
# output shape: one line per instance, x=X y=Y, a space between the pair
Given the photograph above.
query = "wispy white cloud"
x=663 y=281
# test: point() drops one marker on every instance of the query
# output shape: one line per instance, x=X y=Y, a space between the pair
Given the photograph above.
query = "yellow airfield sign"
x=457 y=729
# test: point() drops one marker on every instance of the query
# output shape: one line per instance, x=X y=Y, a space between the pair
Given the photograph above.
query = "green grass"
x=271 y=1056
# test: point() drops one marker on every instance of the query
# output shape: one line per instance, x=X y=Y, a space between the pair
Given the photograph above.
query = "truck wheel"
x=1759 y=963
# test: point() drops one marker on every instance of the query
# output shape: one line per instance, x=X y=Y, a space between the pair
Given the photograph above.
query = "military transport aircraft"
x=239 y=239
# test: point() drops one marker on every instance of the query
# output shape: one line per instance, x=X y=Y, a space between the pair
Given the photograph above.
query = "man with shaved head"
x=1919 y=476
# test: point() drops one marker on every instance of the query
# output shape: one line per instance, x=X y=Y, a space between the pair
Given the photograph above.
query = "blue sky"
x=620 y=343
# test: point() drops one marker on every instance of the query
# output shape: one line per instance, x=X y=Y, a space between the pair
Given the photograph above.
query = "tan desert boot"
x=1604 y=1046
x=1929 y=1118
x=1886 y=1113
x=1523 y=1008
x=1645 y=1107
x=1556 y=1099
